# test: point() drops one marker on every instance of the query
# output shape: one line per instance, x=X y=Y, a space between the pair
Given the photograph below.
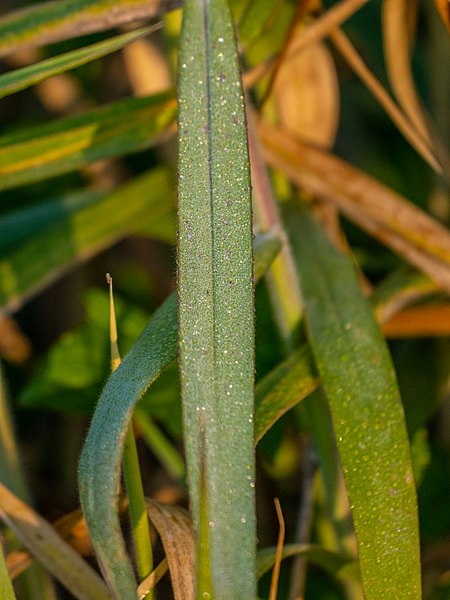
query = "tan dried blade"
x=146 y=68
x=386 y=215
x=174 y=525
x=397 y=52
x=41 y=539
x=443 y=8
x=404 y=125
x=307 y=93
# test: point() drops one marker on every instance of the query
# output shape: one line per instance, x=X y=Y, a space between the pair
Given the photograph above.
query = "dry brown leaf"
x=278 y=553
x=14 y=346
x=443 y=7
x=403 y=124
x=146 y=67
x=174 y=525
x=397 y=52
x=386 y=215
x=306 y=93
x=419 y=321
x=42 y=540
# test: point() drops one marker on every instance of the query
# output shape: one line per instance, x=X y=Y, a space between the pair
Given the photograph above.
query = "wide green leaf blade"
x=48 y=22
x=216 y=295
x=62 y=146
x=154 y=351
x=358 y=377
x=77 y=236
x=20 y=79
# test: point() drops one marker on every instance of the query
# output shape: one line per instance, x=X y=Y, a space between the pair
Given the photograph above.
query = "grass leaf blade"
x=215 y=294
x=359 y=380
x=20 y=79
x=48 y=22
x=154 y=351
x=68 y=144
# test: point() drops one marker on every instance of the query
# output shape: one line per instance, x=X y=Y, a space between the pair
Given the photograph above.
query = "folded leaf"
x=174 y=525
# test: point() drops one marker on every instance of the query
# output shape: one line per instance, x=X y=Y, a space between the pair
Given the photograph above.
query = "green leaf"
x=20 y=79
x=6 y=588
x=18 y=226
x=68 y=144
x=47 y=22
x=82 y=234
x=334 y=563
x=154 y=351
x=359 y=381
x=71 y=374
x=216 y=294
x=284 y=387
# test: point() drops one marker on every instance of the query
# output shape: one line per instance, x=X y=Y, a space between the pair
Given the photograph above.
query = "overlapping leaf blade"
x=47 y=22
x=62 y=146
x=359 y=380
x=20 y=79
x=153 y=352
x=144 y=202
x=216 y=296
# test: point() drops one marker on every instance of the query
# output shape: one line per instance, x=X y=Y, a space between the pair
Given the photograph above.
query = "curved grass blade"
x=62 y=146
x=397 y=43
x=50 y=549
x=359 y=381
x=154 y=351
x=216 y=294
x=77 y=236
x=48 y=22
x=284 y=387
x=25 y=77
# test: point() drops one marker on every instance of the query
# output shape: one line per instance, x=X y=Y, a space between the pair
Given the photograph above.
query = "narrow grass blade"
x=48 y=22
x=284 y=387
x=400 y=120
x=68 y=144
x=154 y=351
x=359 y=381
x=419 y=238
x=39 y=537
x=215 y=293
x=161 y=447
x=77 y=236
x=20 y=79
x=174 y=525
x=397 y=18
x=139 y=525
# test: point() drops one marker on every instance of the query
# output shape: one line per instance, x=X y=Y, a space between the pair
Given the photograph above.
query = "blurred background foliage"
x=54 y=341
